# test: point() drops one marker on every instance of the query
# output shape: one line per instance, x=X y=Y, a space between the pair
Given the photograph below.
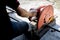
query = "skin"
x=23 y=12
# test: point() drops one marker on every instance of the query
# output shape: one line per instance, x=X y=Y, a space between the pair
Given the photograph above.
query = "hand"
x=33 y=13
x=33 y=23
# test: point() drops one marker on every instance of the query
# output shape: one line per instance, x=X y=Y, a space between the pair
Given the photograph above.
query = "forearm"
x=23 y=12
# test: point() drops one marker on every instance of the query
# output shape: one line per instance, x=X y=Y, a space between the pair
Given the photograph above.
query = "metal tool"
x=46 y=16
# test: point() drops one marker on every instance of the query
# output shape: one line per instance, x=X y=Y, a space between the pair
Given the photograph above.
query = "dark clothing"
x=6 y=30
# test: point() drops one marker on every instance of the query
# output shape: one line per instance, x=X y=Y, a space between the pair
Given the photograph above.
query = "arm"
x=23 y=12
x=14 y=4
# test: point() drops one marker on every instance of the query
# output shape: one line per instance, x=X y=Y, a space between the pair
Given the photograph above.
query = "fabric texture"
x=6 y=30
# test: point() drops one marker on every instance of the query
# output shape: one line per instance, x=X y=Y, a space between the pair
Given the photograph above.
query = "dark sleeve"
x=13 y=4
